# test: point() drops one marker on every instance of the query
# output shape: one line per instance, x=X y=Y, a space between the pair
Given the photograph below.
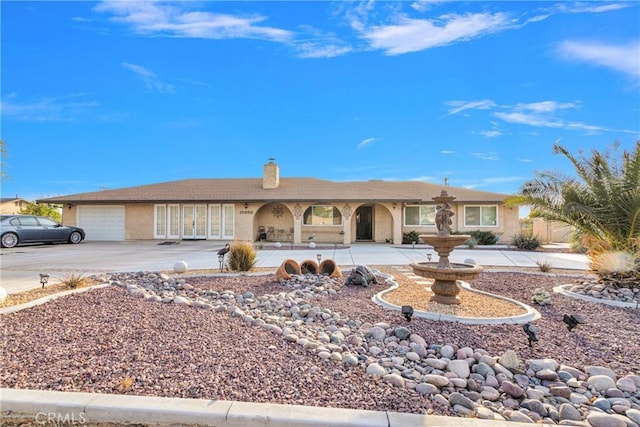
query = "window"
x=322 y=215
x=483 y=216
x=28 y=221
x=46 y=222
x=420 y=215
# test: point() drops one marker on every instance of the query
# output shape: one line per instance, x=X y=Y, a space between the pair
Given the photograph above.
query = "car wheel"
x=75 y=237
x=9 y=240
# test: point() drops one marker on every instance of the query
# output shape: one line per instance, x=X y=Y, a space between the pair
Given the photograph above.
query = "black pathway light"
x=407 y=311
x=532 y=332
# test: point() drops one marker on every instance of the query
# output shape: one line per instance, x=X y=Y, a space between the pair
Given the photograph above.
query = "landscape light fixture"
x=532 y=332
x=413 y=244
x=572 y=320
x=221 y=261
x=428 y=256
x=44 y=278
x=319 y=257
x=407 y=311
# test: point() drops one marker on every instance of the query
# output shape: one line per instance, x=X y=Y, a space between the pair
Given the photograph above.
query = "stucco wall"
x=551 y=231
x=138 y=221
x=382 y=224
x=508 y=223
x=70 y=215
x=12 y=207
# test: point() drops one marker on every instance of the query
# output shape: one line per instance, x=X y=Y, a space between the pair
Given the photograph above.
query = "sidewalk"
x=20 y=271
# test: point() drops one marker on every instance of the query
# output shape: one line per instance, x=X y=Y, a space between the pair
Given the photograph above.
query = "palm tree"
x=602 y=201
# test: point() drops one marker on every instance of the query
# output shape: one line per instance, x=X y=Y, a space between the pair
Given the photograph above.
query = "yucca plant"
x=242 y=256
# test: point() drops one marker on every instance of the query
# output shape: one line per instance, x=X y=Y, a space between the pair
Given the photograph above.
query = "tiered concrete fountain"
x=446 y=275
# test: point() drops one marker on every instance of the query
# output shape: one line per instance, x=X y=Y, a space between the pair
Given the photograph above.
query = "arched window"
x=322 y=215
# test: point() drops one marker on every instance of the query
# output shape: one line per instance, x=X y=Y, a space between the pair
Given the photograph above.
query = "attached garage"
x=102 y=222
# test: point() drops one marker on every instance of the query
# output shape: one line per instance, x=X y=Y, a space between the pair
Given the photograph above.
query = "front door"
x=194 y=222
x=364 y=223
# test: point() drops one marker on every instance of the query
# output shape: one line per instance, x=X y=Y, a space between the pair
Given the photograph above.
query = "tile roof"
x=289 y=190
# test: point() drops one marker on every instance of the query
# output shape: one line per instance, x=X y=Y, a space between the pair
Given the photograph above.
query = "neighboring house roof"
x=289 y=190
x=11 y=199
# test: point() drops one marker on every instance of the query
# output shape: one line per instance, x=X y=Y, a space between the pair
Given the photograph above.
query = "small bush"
x=525 y=242
x=73 y=281
x=541 y=297
x=242 y=256
x=481 y=237
x=544 y=266
x=410 y=237
x=471 y=242
x=485 y=237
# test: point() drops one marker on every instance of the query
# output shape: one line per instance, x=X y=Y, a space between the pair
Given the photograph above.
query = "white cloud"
x=546 y=106
x=48 y=109
x=538 y=114
x=412 y=35
x=149 y=78
x=313 y=50
x=424 y=5
x=621 y=58
x=588 y=7
x=530 y=119
x=151 y=18
x=318 y=44
x=486 y=156
x=459 y=106
x=366 y=142
x=447 y=152
x=491 y=133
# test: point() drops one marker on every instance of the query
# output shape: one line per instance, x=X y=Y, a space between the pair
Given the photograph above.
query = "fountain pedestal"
x=446 y=275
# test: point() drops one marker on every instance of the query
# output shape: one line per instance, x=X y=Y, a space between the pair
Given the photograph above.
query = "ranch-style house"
x=286 y=210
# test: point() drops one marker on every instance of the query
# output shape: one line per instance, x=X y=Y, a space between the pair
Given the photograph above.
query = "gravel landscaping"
x=316 y=342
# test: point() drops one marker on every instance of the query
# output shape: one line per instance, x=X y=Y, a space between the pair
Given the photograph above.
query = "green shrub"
x=485 y=237
x=526 y=242
x=410 y=237
x=242 y=256
x=481 y=237
x=471 y=242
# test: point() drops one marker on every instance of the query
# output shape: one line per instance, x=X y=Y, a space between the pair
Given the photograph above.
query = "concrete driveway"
x=21 y=266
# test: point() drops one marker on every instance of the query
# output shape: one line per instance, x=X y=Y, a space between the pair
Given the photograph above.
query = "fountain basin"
x=445 y=288
x=457 y=271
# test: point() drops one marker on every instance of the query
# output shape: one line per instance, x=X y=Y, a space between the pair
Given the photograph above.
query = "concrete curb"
x=621 y=304
x=39 y=301
x=530 y=315
x=58 y=407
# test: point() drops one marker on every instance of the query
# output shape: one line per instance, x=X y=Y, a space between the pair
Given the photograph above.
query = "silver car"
x=19 y=229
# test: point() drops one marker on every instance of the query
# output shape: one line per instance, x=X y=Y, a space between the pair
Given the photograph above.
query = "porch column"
x=396 y=215
x=297 y=223
x=347 y=211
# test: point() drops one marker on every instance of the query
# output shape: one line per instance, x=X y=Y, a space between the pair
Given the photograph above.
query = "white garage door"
x=102 y=222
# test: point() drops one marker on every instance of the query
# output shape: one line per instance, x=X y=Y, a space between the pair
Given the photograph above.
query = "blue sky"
x=115 y=94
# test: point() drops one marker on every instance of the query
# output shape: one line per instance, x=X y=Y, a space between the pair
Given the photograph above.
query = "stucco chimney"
x=271 y=175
